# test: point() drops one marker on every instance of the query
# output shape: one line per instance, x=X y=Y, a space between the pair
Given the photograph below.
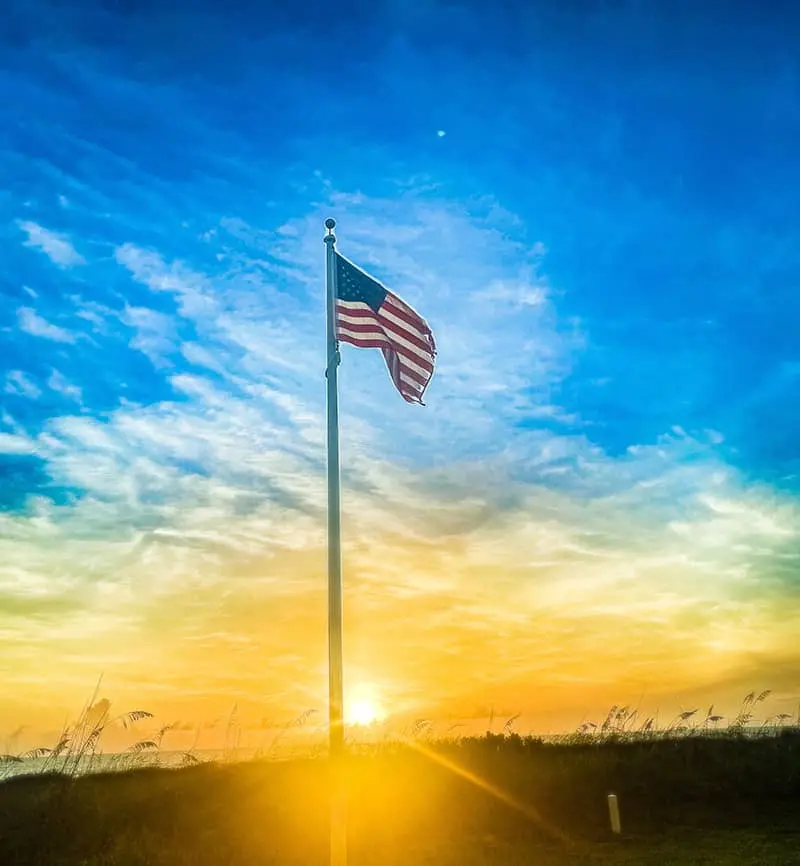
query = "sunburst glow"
x=362 y=713
x=363 y=708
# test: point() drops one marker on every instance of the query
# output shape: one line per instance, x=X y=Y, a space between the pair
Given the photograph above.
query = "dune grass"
x=501 y=799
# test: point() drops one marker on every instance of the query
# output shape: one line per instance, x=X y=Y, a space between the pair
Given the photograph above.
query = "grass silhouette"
x=687 y=794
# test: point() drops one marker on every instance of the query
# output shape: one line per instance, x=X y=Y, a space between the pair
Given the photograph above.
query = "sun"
x=363 y=709
x=362 y=713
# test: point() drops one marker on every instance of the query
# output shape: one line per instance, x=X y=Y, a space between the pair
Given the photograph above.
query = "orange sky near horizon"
x=437 y=626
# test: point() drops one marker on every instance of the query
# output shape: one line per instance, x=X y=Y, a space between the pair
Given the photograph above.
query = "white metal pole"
x=335 y=663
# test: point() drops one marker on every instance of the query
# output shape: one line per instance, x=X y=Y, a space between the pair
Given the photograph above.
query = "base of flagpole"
x=338 y=813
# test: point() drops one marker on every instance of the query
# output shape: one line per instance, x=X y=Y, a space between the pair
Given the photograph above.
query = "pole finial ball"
x=330 y=224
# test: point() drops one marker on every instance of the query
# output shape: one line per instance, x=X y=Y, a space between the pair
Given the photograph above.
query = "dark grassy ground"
x=691 y=801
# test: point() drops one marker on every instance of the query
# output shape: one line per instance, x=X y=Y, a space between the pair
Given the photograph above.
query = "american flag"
x=368 y=315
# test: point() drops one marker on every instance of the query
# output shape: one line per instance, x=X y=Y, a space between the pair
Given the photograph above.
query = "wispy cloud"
x=18 y=382
x=155 y=333
x=32 y=323
x=12 y=443
x=60 y=384
x=192 y=289
x=519 y=294
x=55 y=246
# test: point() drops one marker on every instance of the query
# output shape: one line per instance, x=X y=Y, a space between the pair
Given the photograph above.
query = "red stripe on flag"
x=372 y=340
x=412 y=336
x=364 y=312
x=415 y=352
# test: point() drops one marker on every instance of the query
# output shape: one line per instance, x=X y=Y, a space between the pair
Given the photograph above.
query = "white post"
x=613 y=814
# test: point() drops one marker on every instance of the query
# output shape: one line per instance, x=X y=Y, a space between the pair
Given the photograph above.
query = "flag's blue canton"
x=354 y=285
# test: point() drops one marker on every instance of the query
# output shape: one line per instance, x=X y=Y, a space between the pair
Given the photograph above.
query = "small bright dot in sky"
x=441 y=133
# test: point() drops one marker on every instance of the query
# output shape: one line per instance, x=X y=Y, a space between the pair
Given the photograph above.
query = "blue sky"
x=604 y=241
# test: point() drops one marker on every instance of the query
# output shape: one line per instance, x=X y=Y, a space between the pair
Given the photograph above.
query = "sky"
x=593 y=204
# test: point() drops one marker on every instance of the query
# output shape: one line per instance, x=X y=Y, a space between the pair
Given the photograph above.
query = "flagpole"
x=335 y=675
